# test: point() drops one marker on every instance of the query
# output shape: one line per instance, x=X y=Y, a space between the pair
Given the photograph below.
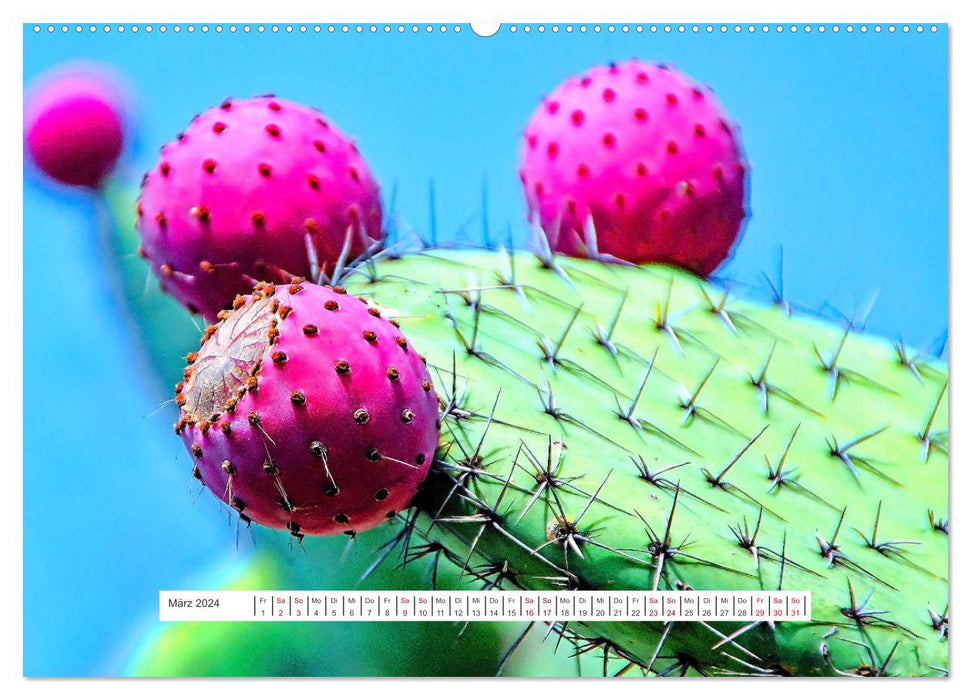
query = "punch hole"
x=485 y=29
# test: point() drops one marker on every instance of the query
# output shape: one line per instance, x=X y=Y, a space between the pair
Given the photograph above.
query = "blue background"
x=847 y=135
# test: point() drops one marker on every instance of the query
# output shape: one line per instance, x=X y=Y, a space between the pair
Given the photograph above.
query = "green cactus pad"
x=870 y=422
x=613 y=427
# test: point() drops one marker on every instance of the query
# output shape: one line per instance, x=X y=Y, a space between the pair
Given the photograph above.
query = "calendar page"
x=522 y=349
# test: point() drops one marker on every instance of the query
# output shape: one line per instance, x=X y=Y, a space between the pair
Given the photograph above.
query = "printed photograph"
x=529 y=350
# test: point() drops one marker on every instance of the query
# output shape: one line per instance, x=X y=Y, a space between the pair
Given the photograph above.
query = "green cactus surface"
x=613 y=427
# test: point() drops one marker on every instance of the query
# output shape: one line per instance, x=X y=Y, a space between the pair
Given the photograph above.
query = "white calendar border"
x=11 y=46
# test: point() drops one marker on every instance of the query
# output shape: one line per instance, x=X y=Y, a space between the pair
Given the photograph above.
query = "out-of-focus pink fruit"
x=75 y=126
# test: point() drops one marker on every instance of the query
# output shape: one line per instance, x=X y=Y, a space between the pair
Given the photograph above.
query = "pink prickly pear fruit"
x=254 y=190
x=75 y=126
x=305 y=410
x=636 y=161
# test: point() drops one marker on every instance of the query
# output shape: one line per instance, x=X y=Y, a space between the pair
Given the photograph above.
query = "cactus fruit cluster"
x=254 y=190
x=636 y=161
x=570 y=424
x=305 y=410
x=613 y=427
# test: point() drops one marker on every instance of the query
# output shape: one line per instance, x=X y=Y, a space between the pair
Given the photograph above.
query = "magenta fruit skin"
x=253 y=190
x=74 y=128
x=305 y=410
x=647 y=154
